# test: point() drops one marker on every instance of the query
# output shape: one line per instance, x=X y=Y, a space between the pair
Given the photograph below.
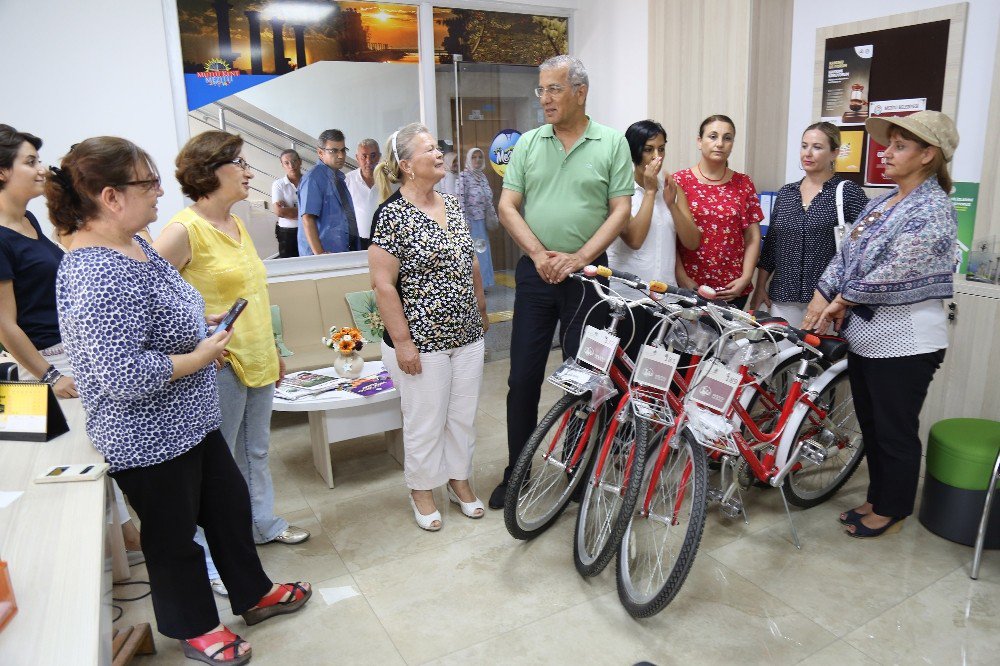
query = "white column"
x=428 y=88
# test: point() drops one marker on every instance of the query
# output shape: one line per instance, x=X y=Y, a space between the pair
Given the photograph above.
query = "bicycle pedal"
x=814 y=451
x=732 y=509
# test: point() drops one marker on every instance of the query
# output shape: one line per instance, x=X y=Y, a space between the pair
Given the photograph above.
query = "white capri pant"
x=793 y=313
x=439 y=413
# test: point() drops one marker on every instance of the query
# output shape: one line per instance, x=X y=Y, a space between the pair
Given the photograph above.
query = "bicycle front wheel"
x=612 y=489
x=550 y=467
x=835 y=442
x=660 y=543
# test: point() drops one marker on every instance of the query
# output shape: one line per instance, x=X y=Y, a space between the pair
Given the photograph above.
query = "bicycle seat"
x=833 y=347
x=770 y=319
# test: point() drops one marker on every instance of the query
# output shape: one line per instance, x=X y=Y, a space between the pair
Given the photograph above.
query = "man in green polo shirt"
x=573 y=178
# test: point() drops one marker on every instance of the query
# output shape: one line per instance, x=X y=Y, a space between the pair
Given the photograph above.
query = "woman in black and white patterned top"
x=799 y=241
x=430 y=295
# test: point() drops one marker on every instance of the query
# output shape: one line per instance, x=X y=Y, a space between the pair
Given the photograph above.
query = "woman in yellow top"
x=213 y=251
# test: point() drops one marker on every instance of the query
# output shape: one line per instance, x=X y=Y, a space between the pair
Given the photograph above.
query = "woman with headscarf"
x=476 y=197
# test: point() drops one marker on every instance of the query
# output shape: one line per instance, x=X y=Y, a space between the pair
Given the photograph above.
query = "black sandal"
x=851 y=517
x=862 y=531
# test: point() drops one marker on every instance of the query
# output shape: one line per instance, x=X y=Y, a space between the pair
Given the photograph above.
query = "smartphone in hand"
x=231 y=316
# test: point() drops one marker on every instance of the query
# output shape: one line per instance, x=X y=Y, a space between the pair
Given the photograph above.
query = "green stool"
x=961 y=457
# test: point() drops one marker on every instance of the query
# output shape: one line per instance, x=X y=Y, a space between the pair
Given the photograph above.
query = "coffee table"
x=336 y=416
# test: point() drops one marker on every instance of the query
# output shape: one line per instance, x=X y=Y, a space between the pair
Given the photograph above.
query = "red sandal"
x=194 y=648
x=275 y=604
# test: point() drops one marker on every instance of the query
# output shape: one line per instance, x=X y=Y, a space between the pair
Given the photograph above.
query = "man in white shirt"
x=285 y=201
x=361 y=185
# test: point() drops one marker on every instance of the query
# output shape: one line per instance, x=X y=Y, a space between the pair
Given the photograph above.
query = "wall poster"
x=852 y=144
x=845 y=87
x=875 y=165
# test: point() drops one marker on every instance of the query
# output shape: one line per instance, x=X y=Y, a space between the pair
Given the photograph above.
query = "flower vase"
x=349 y=365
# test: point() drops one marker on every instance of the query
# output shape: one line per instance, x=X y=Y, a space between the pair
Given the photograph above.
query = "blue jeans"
x=246 y=426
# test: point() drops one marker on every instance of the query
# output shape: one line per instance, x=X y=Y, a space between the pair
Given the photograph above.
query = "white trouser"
x=793 y=313
x=439 y=412
x=58 y=359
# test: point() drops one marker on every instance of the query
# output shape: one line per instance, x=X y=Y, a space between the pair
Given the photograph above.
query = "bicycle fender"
x=788 y=436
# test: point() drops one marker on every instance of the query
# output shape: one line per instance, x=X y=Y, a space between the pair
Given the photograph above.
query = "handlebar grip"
x=658 y=287
x=605 y=271
x=811 y=339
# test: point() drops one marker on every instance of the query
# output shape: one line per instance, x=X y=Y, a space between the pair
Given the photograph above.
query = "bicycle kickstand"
x=791 y=523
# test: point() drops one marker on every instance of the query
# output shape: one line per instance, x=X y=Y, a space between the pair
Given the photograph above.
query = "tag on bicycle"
x=717 y=388
x=597 y=348
x=656 y=367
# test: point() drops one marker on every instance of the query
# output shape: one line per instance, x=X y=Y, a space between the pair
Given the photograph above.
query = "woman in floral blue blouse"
x=885 y=292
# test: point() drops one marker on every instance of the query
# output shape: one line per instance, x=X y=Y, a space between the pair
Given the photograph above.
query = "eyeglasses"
x=553 y=90
x=239 y=161
x=335 y=151
x=147 y=184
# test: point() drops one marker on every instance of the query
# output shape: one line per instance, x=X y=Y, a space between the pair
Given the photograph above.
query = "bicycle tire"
x=608 y=501
x=835 y=398
x=644 y=598
x=530 y=506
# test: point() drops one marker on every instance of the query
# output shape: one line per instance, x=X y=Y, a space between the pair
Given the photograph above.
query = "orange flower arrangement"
x=346 y=340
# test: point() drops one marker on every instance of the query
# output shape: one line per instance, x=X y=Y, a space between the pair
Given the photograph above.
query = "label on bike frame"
x=597 y=348
x=656 y=367
x=717 y=389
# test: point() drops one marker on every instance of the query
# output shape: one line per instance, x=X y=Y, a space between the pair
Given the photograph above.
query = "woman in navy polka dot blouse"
x=799 y=241
x=135 y=333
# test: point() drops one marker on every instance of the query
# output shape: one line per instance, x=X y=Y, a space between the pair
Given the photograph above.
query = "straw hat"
x=933 y=127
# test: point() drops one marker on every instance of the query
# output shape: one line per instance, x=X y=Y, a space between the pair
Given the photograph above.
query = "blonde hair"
x=398 y=147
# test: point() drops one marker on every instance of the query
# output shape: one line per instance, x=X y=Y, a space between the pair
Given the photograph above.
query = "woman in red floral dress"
x=726 y=209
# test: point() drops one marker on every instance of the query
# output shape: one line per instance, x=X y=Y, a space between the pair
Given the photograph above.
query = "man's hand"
x=562 y=264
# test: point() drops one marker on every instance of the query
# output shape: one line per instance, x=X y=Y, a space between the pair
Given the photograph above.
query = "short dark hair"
x=290 y=151
x=330 y=135
x=200 y=157
x=638 y=133
x=72 y=191
x=718 y=117
x=10 y=143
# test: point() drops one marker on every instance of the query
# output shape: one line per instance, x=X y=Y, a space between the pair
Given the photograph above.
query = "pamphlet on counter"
x=312 y=383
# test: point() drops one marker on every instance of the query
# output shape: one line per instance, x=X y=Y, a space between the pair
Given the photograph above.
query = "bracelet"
x=51 y=376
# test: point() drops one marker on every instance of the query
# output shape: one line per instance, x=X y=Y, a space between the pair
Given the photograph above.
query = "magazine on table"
x=307 y=383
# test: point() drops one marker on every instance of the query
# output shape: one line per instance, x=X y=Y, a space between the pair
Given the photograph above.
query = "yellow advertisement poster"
x=849 y=157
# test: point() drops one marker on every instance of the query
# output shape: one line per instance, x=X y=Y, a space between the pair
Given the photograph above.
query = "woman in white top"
x=647 y=246
x=885 y=292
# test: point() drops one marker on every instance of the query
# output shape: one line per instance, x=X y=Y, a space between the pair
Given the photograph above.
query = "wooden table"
x=54 y=541
x=336 y=416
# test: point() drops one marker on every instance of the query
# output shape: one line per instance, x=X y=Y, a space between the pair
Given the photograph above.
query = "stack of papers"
x=313 y=383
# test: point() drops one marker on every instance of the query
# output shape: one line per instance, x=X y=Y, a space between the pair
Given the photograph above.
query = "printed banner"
x=230 y=45
x=964 y=197
x=498 y=37
x=852 y=143
x=845 y=84
x=875 y=162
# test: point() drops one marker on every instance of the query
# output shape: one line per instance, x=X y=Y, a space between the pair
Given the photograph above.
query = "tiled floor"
x=389 y=593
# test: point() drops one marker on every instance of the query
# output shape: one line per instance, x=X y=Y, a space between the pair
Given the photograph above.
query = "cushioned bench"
x=960 y=458
x=309 y=307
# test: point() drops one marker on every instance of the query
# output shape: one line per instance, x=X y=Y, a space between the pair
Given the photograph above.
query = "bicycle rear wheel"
x=611 y=492
x=836 y=441
x=658 y=547
x=550 y=466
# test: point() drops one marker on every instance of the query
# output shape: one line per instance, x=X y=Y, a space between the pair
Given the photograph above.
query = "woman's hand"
x=650 y=182
x=669 y=189
x=213 y=348
x=408 y=357
x=486 y=321
x=734 y=289
x=760 y=296
x=814 y=310
x=281 y=370
x=65 y=387
x=213 y=320
x=833 y=313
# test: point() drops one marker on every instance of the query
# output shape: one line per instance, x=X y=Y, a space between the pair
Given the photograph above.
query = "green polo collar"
x=591 y=132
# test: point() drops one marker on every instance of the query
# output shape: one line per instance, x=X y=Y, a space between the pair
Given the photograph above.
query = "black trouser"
x=888 y=395
x=288 y=241
x=538 y=307
x=200 y=487
x=639 y=332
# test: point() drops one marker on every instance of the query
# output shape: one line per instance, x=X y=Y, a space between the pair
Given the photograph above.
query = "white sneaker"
x=219 y=587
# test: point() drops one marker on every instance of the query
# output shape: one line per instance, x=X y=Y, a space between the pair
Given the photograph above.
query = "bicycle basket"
x=577 y=380
x=760 y=355
x=650 y=381
x=691 y=337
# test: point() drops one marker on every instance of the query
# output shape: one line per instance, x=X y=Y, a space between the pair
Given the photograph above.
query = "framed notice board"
x=888 y=66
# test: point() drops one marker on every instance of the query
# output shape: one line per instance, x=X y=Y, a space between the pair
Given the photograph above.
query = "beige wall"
x=988 y=210
x=730 y=57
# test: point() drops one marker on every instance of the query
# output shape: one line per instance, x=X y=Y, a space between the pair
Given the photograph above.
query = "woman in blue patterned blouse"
x=136 y=336
x=885 y=292
x=799 y=241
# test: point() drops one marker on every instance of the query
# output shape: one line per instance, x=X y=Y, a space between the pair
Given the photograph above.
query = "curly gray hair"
x=576 y=72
